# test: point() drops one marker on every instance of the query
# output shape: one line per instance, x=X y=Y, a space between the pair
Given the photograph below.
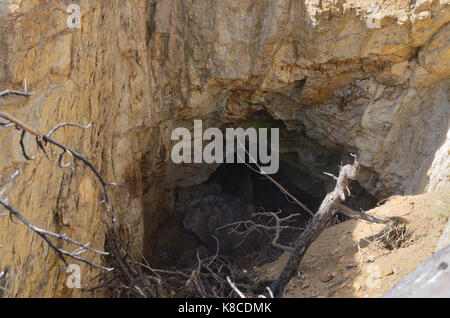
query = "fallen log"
x=319 y=222
x=358 y=215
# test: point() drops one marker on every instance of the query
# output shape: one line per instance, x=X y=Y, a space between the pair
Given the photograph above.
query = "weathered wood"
x=20 y=124
x=318 y=223
x=430 y=280
x=358 y=215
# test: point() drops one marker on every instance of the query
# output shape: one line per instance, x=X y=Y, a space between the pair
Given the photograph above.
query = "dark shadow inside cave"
x=241 y=181
x=235 y=192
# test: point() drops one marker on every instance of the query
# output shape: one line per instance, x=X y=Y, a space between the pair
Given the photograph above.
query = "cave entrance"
x=235 y=192
x=232 y=194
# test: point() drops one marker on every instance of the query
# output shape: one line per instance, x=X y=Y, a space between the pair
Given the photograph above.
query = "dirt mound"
x=360 y=259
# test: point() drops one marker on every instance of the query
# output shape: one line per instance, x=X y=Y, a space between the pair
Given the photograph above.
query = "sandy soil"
x=346 y=260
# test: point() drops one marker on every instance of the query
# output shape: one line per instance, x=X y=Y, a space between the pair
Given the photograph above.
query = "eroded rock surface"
x=367 y=77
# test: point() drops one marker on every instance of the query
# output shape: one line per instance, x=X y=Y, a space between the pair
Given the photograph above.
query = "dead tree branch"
x=277 y=228
x=352 y=214
x=319 y=222
x=130 y=277
x=282 y=189
x=64 y=150
x=14 y=92
x=41 y=141
x=286 y=192
x=233 y=286
x=358 y=215
x=10 y=179
x=46 y=235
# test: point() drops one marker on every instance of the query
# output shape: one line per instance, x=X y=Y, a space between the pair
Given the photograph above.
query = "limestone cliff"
x=368 y=77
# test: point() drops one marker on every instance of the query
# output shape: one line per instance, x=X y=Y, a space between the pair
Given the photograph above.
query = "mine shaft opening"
x=196 y=223
x=206 y=216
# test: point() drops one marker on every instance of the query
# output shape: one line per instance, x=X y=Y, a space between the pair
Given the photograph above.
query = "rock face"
x=367 y=77
x=439 y=172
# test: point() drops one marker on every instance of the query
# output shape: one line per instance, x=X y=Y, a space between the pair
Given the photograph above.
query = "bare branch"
x=10 y=179
x=7 y=124
x=14 y=92
x=282 y=189
x=51 y=132
x=60 y=157
x=65 y=149
x=358 y=215
x=233 y=286
x=330 y=175
x=251 y=226
x=47 y=139
x=47 y=234
x=20 y=124
x=319 y=222
x=22 y=146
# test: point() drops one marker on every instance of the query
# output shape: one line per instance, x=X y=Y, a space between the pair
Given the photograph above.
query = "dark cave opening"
x=240 y=181
x=235 y=192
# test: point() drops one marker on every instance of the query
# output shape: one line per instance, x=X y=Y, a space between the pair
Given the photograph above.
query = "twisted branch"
x=46 y=138
x=45 y=235
x=277 y=228
x=41 y=140
x=318 y=223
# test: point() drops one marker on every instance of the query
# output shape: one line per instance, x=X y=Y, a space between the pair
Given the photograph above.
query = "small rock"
x=356 y=286
x=326 y=276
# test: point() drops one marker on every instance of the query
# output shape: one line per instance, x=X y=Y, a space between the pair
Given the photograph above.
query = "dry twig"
x=46 y=235
x=277 y=228
x=41 y=140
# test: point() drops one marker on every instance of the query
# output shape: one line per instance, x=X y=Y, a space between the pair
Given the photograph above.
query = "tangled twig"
x=41 y=140
x=277 y=228
x=46 y=235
